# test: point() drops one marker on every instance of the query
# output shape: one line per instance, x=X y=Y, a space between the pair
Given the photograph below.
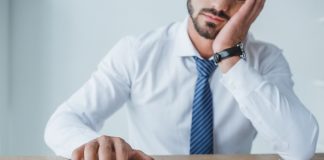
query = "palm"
x=237 y=27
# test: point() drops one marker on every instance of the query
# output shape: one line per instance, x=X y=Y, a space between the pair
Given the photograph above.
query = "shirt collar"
x=183 y=46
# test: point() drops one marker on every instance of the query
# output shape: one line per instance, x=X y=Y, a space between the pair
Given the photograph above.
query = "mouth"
x=213 y=18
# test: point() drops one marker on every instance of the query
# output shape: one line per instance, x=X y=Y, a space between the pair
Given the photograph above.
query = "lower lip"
x=213 y=19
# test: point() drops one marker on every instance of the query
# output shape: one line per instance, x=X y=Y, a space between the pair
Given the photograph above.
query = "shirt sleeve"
x=79 y=119
x=269 y=102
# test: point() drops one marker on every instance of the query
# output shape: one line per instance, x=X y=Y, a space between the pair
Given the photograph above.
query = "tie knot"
x=204 y=67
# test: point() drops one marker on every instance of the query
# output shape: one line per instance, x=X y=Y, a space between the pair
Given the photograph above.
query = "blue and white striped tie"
x=201 y=138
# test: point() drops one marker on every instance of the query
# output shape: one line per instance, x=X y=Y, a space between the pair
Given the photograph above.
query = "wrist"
x=228 y=57
x=228 y=63
x=222 y=48
x=236 y=50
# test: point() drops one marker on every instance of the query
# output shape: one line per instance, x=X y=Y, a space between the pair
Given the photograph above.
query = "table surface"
x=319 y=156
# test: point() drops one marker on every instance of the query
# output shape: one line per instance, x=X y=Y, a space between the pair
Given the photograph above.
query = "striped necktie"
x=201 y=138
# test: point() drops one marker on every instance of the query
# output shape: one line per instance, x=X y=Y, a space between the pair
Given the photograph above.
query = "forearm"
x=226 y=64
x=275 y=112
x=66 y=131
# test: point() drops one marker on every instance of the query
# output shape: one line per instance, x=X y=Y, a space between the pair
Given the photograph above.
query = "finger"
x=256 y=10
x=91 y=151
x=139 y=155
x=77 y=154
x=245 y=11
x=106 y=149
x=260 y=8
x=122 y=149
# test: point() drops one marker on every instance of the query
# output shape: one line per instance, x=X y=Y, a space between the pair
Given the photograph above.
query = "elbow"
x=308 y=147
x=312 y=143
x=303 y=146
x=51 y=134
x=310 y=140
x=53 y=141
x=48 y=137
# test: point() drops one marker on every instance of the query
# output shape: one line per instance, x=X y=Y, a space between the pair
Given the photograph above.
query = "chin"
x=206 y=29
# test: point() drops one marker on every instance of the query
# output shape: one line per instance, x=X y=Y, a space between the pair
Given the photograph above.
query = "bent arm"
x=79 y=119
x=269 y=102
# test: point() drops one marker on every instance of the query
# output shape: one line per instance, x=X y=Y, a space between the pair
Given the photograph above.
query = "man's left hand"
x=236 y=29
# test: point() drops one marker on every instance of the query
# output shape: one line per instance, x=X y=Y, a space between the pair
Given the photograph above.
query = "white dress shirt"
x=155 y=75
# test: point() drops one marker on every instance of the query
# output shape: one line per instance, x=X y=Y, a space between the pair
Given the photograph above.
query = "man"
x=190 y=89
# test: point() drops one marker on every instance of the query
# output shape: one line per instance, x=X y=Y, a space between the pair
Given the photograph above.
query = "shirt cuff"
x=241 y=79
x=76 y=141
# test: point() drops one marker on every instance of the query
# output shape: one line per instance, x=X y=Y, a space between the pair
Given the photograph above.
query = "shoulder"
x=154 y=37
x=133 y=52
x=141 y=43
x=261 y=48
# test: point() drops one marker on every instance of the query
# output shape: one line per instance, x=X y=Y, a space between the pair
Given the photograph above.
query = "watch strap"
x=227 y=53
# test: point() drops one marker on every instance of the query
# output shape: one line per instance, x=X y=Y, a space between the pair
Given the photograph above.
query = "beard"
x=207 y=30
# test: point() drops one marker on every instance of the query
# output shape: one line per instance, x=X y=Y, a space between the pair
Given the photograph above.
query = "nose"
x=222 y=5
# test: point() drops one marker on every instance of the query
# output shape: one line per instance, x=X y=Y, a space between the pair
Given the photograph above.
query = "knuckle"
x=119 y=140
x=91 y=145
x=121 y=144
x=104 y=139
x=106 y=145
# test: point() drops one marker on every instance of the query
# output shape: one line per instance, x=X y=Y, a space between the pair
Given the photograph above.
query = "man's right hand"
x=108 y=148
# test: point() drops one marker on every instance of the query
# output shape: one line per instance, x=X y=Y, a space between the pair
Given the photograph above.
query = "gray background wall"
x=4 y=5
x=55 y=45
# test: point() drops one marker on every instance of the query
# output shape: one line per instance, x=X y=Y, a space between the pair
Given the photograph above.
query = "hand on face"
x=236 y=29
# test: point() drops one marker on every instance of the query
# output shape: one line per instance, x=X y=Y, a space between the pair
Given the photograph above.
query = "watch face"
x=216 y=58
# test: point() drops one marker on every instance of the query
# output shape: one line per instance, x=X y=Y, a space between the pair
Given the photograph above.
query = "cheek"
x=235 y=9
x=197 y=5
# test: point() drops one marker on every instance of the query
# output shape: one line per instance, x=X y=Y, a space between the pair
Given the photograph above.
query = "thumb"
x=139 y=155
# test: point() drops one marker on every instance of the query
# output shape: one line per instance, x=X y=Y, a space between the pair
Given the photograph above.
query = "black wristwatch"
x=237 y=50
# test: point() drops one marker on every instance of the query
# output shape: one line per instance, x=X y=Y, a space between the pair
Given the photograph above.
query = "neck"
x=204 y=46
